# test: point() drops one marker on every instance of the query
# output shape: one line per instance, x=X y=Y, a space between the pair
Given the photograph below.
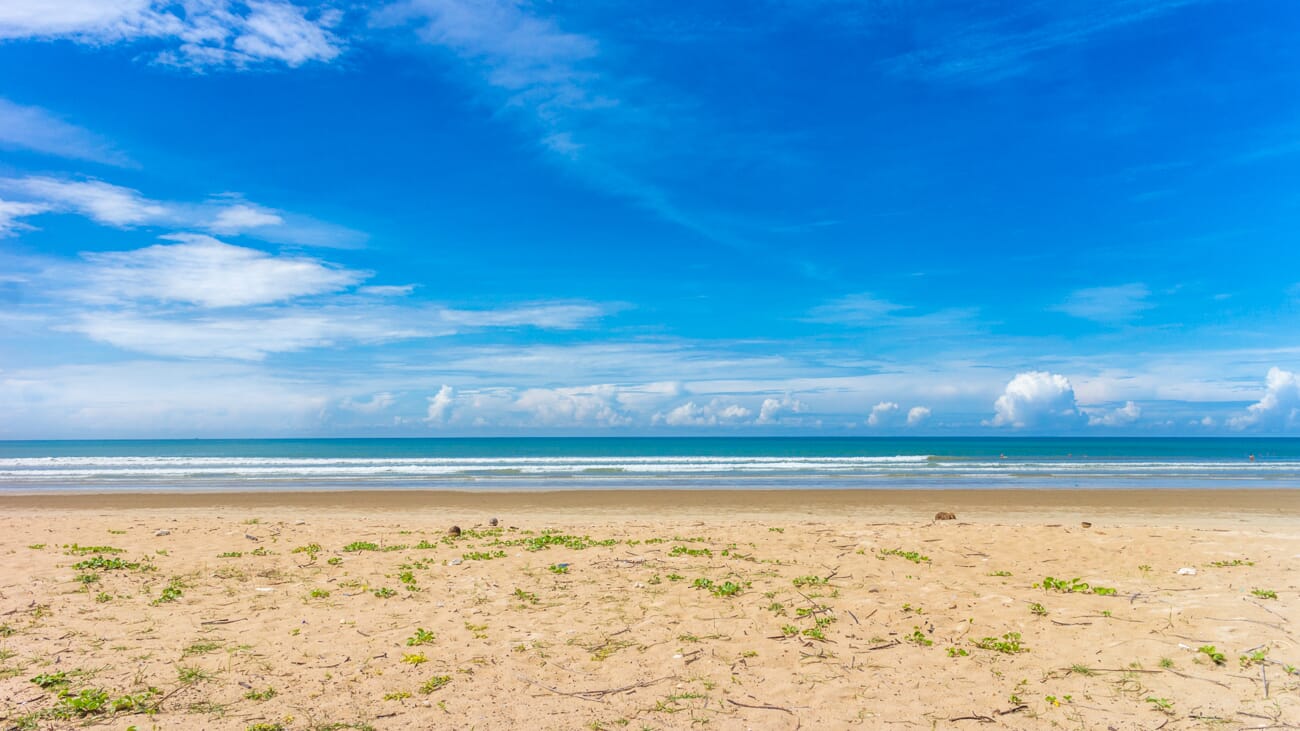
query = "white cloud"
x=882 y=413
x=440 y=405
x=1016 y=43
x=11 y=211
x=1036 y=399
x=112 y=205
x=917 y=415
x=552 y=315
x=99 y=21
x=1121 y=416
x=1113 y=305
x=36 y=129
x=375 y=404
x=773 y=410
x=865 y=310
x=203 y=271
x=567 y=95
x=890 y=414
x=862 y=308
x=227 y=213
x=203 y=298
x=582 y=406
x=198 y=33
x=241 y=216
x=1278 y=409
x=528 y=56
x=387 y=290
x=713 y=413
x=242 y=337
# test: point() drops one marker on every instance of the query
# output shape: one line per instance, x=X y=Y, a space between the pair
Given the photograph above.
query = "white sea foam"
x=181 y=469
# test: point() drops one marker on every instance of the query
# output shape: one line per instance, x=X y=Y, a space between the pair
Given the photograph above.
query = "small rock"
x=493 y=522
x=162 y=532
x=1187 y=571
x=456 y=562
x=1086 y=524
x=944 y=515
x=251 y=537
x=300 y=521
x=454 y=530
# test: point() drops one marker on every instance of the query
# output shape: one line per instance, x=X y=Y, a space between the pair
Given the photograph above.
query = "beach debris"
x=300 y=521
x=252 y=537
x=494 y=522
x=162 y=532
x=1085 y=524
x=456 y=561
x=453 y=531
x=1187 y=571
x=944 y=515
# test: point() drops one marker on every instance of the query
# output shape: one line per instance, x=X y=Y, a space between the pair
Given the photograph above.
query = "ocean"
x=641 y=463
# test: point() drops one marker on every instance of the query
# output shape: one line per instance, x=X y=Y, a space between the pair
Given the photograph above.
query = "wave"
x=83 y=469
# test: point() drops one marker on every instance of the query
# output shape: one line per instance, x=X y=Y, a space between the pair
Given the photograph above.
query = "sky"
x=485 y=217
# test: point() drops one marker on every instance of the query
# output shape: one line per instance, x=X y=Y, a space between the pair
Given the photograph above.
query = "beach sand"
x=825 y=610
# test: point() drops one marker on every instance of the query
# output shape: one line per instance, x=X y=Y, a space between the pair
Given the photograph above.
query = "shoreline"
x=1258 y=506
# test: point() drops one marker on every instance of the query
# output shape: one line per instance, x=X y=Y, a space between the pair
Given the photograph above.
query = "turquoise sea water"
x=678 y=463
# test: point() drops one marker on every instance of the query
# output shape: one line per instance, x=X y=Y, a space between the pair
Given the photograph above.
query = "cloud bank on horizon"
x=407 y=217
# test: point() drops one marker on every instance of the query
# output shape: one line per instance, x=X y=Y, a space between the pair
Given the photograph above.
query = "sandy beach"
x=608 y=610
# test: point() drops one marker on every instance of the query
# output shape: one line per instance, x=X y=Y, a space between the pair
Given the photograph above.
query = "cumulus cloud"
x=882 y=413
x=1278 y=409
x=773 y=410
x=36 y=129
x=1121 y=416
x=1036 y=399
x=889 y=414
x=583 y=406
x=201 y=270
x=1110 y=305
x=197 y=33
x=917 y=415
x=440 y=405
x=715 y=412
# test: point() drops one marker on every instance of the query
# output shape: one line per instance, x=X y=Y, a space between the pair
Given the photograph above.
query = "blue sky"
x=437 y=217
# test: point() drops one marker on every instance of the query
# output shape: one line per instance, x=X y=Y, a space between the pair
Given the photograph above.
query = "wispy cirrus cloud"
x=122 y=207
x=1012 y=45
x=1112 y=305
x=12 y=211
x=39 y=130
x=567 y=94
x=197 y=33
x=865 y=310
